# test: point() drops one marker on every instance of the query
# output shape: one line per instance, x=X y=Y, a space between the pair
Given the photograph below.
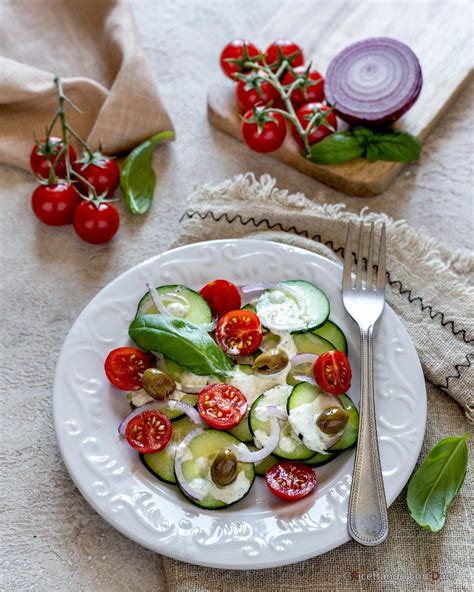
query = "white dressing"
x=303 y=421
x=228 y=494
x=191 y=380
x=282 y=310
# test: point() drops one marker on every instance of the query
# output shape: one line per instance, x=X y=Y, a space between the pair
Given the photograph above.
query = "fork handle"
x=367 y=519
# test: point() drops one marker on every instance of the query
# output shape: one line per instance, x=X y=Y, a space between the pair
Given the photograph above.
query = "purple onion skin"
x=386 y=114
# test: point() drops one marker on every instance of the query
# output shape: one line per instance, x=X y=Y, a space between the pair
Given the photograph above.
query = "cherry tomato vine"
x=71 y=189
x=264 y=73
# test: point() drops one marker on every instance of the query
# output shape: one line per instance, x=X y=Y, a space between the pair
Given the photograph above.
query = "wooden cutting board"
x=440 y=33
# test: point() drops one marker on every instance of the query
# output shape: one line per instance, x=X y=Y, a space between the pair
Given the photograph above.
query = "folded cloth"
x=430 y=288
x=93 y=45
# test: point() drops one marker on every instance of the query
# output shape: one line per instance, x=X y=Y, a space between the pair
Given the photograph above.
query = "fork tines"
x=378 y=269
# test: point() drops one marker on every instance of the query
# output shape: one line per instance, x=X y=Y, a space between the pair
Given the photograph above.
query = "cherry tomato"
x=253 y=91
x=284 y=48
x=290 y=480
x=332 y=371
x=222 y=406
x=124 y=367
x=148 y=432
x=239 y=332
x=318 y=131
x=263 y=131
x=96 y=224
x=55 y=204
x=222 y=296
x=44 y=153
x=102 y=173
x=235 y=54
x=312 y=89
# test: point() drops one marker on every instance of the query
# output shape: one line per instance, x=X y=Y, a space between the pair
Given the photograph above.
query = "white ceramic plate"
x=260 y=531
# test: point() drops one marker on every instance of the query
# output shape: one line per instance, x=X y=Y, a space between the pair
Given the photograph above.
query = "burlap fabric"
x=430 y=289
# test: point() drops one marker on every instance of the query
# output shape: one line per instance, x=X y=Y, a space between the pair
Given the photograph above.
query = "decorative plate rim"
x=122 y=492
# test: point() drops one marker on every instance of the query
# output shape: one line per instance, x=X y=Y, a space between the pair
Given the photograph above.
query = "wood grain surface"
x=438 y=32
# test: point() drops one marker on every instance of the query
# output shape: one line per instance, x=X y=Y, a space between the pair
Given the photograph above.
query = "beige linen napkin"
x=93 y=45
x=430 y=288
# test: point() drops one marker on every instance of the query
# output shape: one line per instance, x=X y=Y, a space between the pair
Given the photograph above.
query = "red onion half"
x=373 y=82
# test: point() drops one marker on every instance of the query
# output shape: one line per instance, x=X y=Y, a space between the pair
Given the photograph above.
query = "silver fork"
x=364 y=301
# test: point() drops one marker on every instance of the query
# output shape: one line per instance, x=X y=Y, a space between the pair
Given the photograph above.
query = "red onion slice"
x=192 y=413
x=277 y=411
x=157 y=300
x=304 y=378
x=190 y=390
x=178 y=459
x=209 y=327
x=163 y=309
x=303 y=359
x=374 y=81
x=258 y=287
x=243 y=454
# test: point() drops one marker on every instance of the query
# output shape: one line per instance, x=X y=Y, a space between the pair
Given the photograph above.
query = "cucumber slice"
x=294 y=305
x=309 y=343
x=198 y=459
x=245 y=368
x=269 y=341
x=172 y=368
x=181 y=302
x=305 y=404
x=265 y=465
x=349 y=437
x=242 y=431
x=333 y=334
x=318 y=460
x=139 y=398
x=289 y=445
x=250 y=307
x=161 y=464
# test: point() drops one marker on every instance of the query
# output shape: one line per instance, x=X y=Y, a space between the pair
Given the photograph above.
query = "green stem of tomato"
x=65 y=131
x=290 y=114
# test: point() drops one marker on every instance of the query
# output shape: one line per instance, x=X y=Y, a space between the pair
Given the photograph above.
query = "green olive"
x=270 y=362
x=332 y=420
x=224 y=468
x=157 y=384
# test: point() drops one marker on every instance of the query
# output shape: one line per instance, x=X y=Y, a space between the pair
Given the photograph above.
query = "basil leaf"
x=437 y=481
x=363 y=134
x=336 y=148
x=393 y=146
x=182 y=342
x=137 y=177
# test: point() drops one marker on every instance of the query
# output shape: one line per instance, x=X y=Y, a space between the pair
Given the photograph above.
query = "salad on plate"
x=232 y=383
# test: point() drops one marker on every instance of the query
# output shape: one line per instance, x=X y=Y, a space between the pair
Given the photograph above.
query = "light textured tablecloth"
x=52 y=539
